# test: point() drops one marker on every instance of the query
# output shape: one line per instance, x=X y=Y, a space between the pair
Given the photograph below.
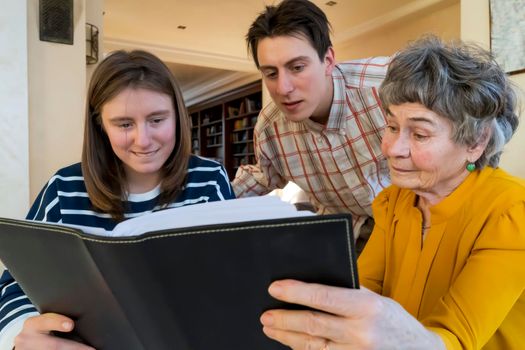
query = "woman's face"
x=140 y=125
x=420 y=151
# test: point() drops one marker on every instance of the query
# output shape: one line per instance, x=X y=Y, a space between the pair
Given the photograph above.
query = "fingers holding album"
x=337 y=318
x=37 y=333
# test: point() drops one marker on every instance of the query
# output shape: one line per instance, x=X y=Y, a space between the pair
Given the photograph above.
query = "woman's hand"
x=36 y=334
x=346 y=319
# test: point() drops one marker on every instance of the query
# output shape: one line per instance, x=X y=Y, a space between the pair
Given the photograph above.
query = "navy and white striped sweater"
x=64 y=200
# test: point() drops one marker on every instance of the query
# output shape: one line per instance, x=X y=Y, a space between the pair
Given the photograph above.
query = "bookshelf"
x=222 y=127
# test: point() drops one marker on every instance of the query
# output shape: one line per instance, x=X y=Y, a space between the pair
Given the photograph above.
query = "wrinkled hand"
x=343 y=319
x=36 y=334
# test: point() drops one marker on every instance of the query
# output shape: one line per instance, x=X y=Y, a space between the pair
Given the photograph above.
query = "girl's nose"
x=142 y=136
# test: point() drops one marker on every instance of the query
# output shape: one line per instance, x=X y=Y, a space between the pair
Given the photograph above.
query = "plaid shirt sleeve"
x=261 y=178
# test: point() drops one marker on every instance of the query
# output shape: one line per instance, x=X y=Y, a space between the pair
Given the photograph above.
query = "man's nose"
x=284 y=84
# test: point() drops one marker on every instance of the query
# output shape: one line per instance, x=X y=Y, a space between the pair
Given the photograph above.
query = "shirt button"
x=320 y=139
x=342 y=132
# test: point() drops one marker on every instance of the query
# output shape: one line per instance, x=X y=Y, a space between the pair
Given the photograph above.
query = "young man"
x=322 y=130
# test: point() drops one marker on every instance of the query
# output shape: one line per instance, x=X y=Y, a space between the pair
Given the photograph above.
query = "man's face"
x=299 y=83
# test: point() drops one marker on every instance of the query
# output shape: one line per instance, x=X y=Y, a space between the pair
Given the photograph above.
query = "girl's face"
x=140 y=125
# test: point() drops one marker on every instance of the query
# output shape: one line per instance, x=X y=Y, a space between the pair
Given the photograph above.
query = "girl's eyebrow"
x=154 y=113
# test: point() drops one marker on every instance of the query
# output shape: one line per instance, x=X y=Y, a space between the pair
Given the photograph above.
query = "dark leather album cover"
x=196 y=288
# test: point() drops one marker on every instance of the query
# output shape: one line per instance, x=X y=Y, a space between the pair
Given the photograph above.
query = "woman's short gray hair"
x=458 y=81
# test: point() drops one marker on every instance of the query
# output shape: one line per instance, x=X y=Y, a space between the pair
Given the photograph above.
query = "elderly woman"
x=445 y=265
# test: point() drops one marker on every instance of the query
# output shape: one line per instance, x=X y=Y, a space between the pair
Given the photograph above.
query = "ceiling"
x=210 y=52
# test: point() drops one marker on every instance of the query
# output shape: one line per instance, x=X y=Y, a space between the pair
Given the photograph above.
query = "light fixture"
x=91 y=44
x=331 y=3
x=181 y=27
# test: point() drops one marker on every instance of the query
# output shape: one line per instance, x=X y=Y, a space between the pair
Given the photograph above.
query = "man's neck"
x=322 y=114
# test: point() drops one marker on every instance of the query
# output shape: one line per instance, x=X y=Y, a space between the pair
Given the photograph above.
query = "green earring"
x=471 y=167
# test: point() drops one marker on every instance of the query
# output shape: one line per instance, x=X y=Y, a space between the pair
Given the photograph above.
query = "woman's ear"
x=477 y=149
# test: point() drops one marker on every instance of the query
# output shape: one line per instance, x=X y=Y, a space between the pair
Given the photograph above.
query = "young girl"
x=136 y=159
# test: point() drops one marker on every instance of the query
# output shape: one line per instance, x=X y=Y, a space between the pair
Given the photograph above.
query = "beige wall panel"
x=444 y=22
x=475 y=26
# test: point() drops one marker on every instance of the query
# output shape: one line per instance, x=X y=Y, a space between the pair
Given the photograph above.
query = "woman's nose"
x=397 y=145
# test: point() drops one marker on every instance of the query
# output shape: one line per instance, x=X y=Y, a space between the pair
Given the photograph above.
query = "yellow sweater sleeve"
x=489 y=290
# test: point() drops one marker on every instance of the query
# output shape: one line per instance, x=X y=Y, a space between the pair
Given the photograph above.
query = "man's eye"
x=298 y=68
x=270 y=75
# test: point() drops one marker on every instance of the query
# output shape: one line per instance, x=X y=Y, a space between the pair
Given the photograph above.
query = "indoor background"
x=44 y=83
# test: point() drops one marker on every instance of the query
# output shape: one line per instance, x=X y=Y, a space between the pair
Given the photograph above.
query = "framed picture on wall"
x=507 y=34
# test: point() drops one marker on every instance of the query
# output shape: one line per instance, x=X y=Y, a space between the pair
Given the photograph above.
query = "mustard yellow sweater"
x=466 y=280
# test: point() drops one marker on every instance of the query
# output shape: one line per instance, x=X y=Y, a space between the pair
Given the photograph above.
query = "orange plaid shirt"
x=339 y=165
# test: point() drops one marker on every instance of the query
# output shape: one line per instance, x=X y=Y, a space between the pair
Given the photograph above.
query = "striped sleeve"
x=15 y=306
x=207 y=181
x=46 y=206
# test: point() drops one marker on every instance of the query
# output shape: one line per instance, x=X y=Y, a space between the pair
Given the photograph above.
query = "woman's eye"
x=420 y=137
x=391 y=128
x=124 y=125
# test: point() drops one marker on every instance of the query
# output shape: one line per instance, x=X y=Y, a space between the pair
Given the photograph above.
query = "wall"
x=443 y=21
x=14 y=143
x=95 y=16
x=475 y=26
x=56 y=88
x=42 y=97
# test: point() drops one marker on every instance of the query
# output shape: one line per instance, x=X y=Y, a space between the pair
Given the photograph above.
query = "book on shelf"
x=193 y=277
x=242 y=108
x=250 y=105
x=233 y=111
x=236 y=124
x=195 y=144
